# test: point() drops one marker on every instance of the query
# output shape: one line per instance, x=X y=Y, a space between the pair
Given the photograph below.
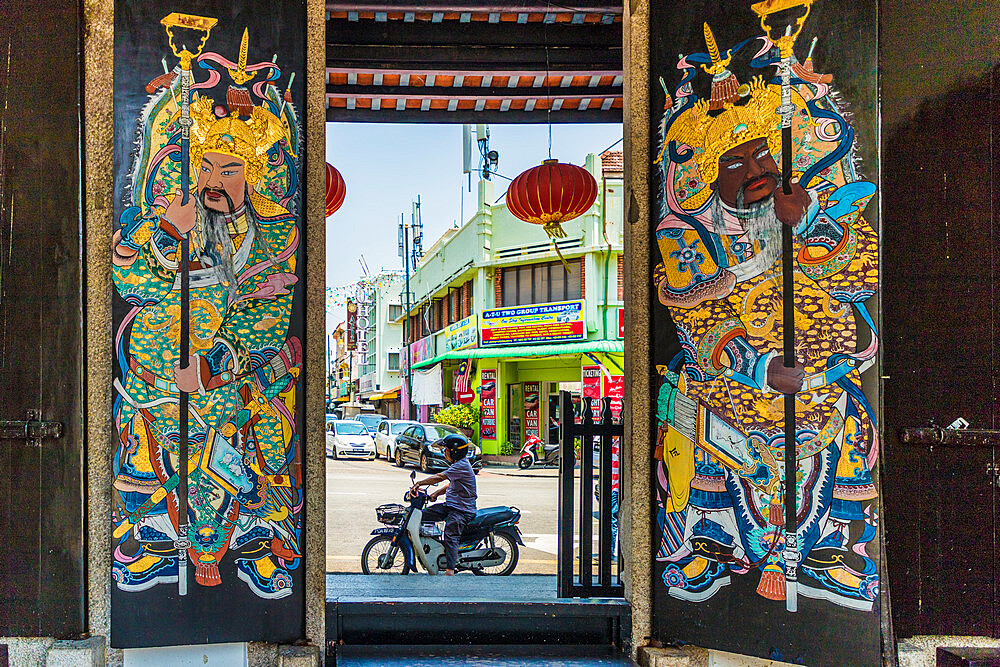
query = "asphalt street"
x=355 y=488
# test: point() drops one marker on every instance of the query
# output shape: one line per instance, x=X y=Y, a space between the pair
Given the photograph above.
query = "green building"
x=495 y=294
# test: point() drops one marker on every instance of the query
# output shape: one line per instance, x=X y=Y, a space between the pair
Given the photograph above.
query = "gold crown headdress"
x=248 y=140
x=711 y=136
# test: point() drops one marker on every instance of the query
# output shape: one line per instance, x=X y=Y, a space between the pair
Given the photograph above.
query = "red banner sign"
x=488 y=404
x=532 y=391
x=352 y=325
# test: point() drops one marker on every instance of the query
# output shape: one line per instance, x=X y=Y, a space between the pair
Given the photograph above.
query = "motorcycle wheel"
x=524 y=462
x=377 y=546
x=398 y=458
x=501 y=540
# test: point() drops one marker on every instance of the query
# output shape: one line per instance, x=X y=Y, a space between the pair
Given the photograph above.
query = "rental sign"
x=542 y=323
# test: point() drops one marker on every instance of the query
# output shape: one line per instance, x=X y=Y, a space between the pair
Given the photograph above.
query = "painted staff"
x=203 y=25
x=785 y=45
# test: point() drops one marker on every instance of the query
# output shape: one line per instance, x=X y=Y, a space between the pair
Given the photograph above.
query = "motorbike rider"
x=459 y=506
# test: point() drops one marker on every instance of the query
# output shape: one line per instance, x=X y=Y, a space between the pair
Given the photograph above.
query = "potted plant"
x=460 y=415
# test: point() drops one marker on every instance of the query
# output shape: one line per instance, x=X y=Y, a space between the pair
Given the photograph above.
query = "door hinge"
x=993 y=469
x=32 y=429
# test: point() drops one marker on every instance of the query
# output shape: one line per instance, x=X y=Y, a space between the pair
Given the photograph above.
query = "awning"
x=341 y=399
x=605 y=346
x=386 y=395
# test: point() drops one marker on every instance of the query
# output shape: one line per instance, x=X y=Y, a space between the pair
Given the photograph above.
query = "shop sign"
x=541 y=323
x=488 y=404
x=621 y=322
x=420 y=350
x=352 y=325
x=367 y=383
x=532 y=390
x=462 y=334
x=592 y=388
x=614 y=387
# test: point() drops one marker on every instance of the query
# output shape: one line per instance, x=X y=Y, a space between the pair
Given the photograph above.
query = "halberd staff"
x=786 y=44
x=204 y=25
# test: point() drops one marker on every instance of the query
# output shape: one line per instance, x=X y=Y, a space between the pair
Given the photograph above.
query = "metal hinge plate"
x=32 y=428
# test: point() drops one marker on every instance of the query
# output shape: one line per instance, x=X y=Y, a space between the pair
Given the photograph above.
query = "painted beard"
x=758 y=219
x=217 y=246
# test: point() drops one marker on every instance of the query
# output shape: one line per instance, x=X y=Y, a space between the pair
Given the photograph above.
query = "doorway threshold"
x=518 y=609
x=464 y=587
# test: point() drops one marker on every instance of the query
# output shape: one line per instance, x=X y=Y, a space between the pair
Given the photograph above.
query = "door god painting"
x=205 y=255
x=720 y=409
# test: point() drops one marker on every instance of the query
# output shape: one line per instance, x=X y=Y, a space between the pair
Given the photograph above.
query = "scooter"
x=489 y=544
x=549 y=455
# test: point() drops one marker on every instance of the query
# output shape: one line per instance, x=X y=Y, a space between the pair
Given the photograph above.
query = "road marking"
x=347 y=493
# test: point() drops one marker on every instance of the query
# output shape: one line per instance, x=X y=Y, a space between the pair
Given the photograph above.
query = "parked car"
x=371 y=421
x=348 y=438
x=385 y=436
x=418 y=444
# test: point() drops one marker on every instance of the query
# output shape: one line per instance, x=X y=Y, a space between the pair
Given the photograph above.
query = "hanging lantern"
x=336 y=189
x=551 y=194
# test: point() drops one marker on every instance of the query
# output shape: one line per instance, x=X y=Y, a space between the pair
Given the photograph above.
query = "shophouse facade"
x=380 y=340
x=493 y=299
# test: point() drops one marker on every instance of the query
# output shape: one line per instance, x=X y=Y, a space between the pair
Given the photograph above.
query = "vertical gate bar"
x=565 y=525
x=607 y=547
x=587 y=498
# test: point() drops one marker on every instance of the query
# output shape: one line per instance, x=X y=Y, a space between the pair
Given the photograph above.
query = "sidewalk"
x=511 y=470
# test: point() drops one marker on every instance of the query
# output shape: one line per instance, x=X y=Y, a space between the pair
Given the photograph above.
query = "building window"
x=392 y=363
x=540 y=283
x=395 y=311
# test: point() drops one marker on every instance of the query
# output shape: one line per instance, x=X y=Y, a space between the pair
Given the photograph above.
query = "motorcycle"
x=489 y=543
x=530 y=455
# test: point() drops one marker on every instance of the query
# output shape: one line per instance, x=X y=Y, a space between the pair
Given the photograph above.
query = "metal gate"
x=576 y=567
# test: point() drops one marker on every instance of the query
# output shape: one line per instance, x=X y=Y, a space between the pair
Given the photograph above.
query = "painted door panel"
x=717 y=216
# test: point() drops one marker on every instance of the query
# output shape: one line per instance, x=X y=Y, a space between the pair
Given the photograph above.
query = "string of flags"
x=337 y=297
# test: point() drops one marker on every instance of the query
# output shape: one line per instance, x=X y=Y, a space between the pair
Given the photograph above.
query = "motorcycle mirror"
x=413 y=475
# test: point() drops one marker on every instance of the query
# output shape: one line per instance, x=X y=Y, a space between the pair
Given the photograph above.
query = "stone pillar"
x=636 y=447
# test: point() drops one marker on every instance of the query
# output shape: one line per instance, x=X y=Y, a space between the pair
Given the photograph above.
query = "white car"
x=348 y=439
x=385 y=436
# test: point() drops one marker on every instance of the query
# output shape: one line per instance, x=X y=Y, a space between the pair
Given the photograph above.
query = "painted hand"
x=181 y=216
x=785 y=380
x=187 y=378
x=790 y=208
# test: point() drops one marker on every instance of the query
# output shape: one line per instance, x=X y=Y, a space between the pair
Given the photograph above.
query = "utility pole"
x=404 y=252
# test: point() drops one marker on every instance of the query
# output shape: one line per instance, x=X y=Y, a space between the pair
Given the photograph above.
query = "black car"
x=419 y=445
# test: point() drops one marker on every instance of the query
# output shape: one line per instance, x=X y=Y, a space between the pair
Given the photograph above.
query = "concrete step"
x=480 y=656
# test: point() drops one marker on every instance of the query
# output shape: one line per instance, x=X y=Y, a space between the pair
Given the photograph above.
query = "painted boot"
x=696 y=581
x=145 y=573
x=839 y=586
x=264 y=578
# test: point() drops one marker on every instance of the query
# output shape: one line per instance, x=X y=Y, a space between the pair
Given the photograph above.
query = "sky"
x=386 y=166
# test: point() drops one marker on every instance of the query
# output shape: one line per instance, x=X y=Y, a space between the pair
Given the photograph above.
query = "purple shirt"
x=461 y=494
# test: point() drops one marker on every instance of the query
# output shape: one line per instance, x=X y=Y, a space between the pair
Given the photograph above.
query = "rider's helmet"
x=457 y=446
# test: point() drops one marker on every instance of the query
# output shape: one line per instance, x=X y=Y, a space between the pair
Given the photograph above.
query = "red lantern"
x=336 y=189
x=550 y=194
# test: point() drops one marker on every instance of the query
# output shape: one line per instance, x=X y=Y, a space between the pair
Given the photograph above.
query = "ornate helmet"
x=248 y=140
x=712 y=135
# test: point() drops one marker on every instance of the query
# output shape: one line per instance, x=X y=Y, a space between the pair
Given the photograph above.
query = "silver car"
x=385 y=436
x=348 y=438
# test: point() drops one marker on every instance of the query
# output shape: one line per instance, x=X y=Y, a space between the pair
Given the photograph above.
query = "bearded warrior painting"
x=238 y=218
x=720 y=408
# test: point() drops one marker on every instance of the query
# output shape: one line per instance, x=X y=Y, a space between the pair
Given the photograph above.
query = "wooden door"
x=41 y=478
x=940 y=301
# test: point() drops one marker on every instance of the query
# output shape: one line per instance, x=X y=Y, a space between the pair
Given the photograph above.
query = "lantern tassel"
x=561 y=258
